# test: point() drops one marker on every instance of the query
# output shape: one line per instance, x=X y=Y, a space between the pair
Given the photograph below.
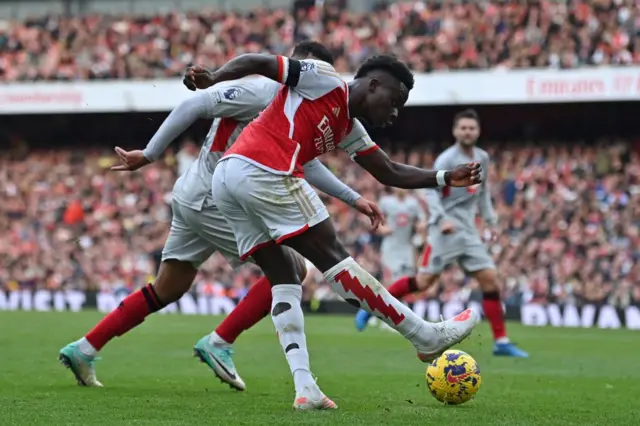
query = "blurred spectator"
x=570 y=218
x=434 y=35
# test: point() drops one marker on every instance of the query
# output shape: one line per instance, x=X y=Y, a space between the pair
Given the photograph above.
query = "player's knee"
x=488 y=280
x=320 y=245
x=299 y=264
x=425 y=280
x=330 y=251
x=174 y=280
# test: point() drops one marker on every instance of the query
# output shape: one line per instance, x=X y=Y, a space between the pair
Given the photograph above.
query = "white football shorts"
x=261 y=206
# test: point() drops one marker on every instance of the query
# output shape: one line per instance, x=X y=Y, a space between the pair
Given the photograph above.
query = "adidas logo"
x=336 y=111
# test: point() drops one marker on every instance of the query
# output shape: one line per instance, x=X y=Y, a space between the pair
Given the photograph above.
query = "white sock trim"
x=283 y=290
x=215 y=339
x=86 y=348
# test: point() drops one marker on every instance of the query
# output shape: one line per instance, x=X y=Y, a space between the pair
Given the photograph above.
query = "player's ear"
x=373 y=84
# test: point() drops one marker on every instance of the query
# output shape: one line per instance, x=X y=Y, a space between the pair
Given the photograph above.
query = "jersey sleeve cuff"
x=283 y=69
x=367 y=151
x=149 y=155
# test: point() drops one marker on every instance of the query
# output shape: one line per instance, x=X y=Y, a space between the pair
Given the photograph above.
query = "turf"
x=575 y=377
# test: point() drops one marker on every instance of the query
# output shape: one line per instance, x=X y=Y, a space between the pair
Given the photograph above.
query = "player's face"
x=384 y=98
x=466 y=131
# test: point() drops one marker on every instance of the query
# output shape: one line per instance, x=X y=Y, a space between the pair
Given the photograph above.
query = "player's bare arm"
x=398 y=175
x=270 y=66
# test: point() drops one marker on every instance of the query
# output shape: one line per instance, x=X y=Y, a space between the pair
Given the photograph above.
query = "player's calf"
x=215 y=349
x=288 y=318
x=175 y=278
x=355 y=285
x=79 y=356
x=400 y=288
x=492 y=307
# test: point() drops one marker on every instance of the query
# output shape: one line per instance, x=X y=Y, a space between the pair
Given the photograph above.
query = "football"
x=454 y=377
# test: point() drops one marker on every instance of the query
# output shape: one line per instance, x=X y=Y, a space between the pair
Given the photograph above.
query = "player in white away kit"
x=403 y=213
x=198 y=229
x=259 y=186
x=453 y=236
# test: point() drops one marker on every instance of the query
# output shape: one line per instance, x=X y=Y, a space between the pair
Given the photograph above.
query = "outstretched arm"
x=183 y=116
x=485 y=205
x=400 y=175
x=367 y=154
x=240 y=101
x=278 y=68
x=180 y=119
x=433 y=197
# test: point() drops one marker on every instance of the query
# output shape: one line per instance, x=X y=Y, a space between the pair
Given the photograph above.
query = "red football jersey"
x=308 y=117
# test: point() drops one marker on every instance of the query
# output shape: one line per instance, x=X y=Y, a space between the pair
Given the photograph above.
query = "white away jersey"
x=234 y=104
x=402 y=215
x=308 y=117
x=460 y=205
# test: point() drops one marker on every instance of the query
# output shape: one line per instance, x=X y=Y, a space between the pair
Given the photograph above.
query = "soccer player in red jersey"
x=259 y=187
x=198 y=229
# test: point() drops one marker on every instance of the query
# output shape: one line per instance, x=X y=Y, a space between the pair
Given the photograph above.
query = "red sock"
x=131 y=312
x=255 y=306
x=493 y=312
x=402 y=287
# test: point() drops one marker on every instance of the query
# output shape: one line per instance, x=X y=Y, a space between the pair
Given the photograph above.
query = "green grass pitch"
x=575 y=377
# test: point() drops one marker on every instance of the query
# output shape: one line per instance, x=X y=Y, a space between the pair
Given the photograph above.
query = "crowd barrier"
x=530 y=314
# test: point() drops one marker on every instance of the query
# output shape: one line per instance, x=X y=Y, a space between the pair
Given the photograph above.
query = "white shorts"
x=196 y=235
x=261 y=206
x=465 y=248
x=399 y=263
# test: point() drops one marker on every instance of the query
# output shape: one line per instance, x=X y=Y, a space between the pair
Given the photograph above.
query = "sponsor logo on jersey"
x=232 y=93
x=336 y=111
x=402 y=220
x=326 y=141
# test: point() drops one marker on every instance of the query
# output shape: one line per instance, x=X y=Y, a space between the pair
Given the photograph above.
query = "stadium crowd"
x=570 y=220
x=434 y=35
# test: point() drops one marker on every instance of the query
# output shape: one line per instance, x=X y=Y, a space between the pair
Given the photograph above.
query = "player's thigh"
x=399 y=264
x=402 y=271
x=183 y=243
x=229 y=184
x=212 y=227
x=476 y=258
x=285 y=205
x=440 y=251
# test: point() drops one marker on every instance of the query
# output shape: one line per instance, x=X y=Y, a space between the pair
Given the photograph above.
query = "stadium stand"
x=67 y=223
x=429 y=36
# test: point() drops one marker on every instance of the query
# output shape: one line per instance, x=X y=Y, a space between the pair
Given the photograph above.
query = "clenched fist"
x=197 y=77
x=464 y=175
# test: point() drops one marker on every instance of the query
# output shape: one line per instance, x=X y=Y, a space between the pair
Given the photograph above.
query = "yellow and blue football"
x=454 y=377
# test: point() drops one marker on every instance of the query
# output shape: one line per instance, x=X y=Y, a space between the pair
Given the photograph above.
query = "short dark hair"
x=388 y=63
x=467 y=113
x=313 y=48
